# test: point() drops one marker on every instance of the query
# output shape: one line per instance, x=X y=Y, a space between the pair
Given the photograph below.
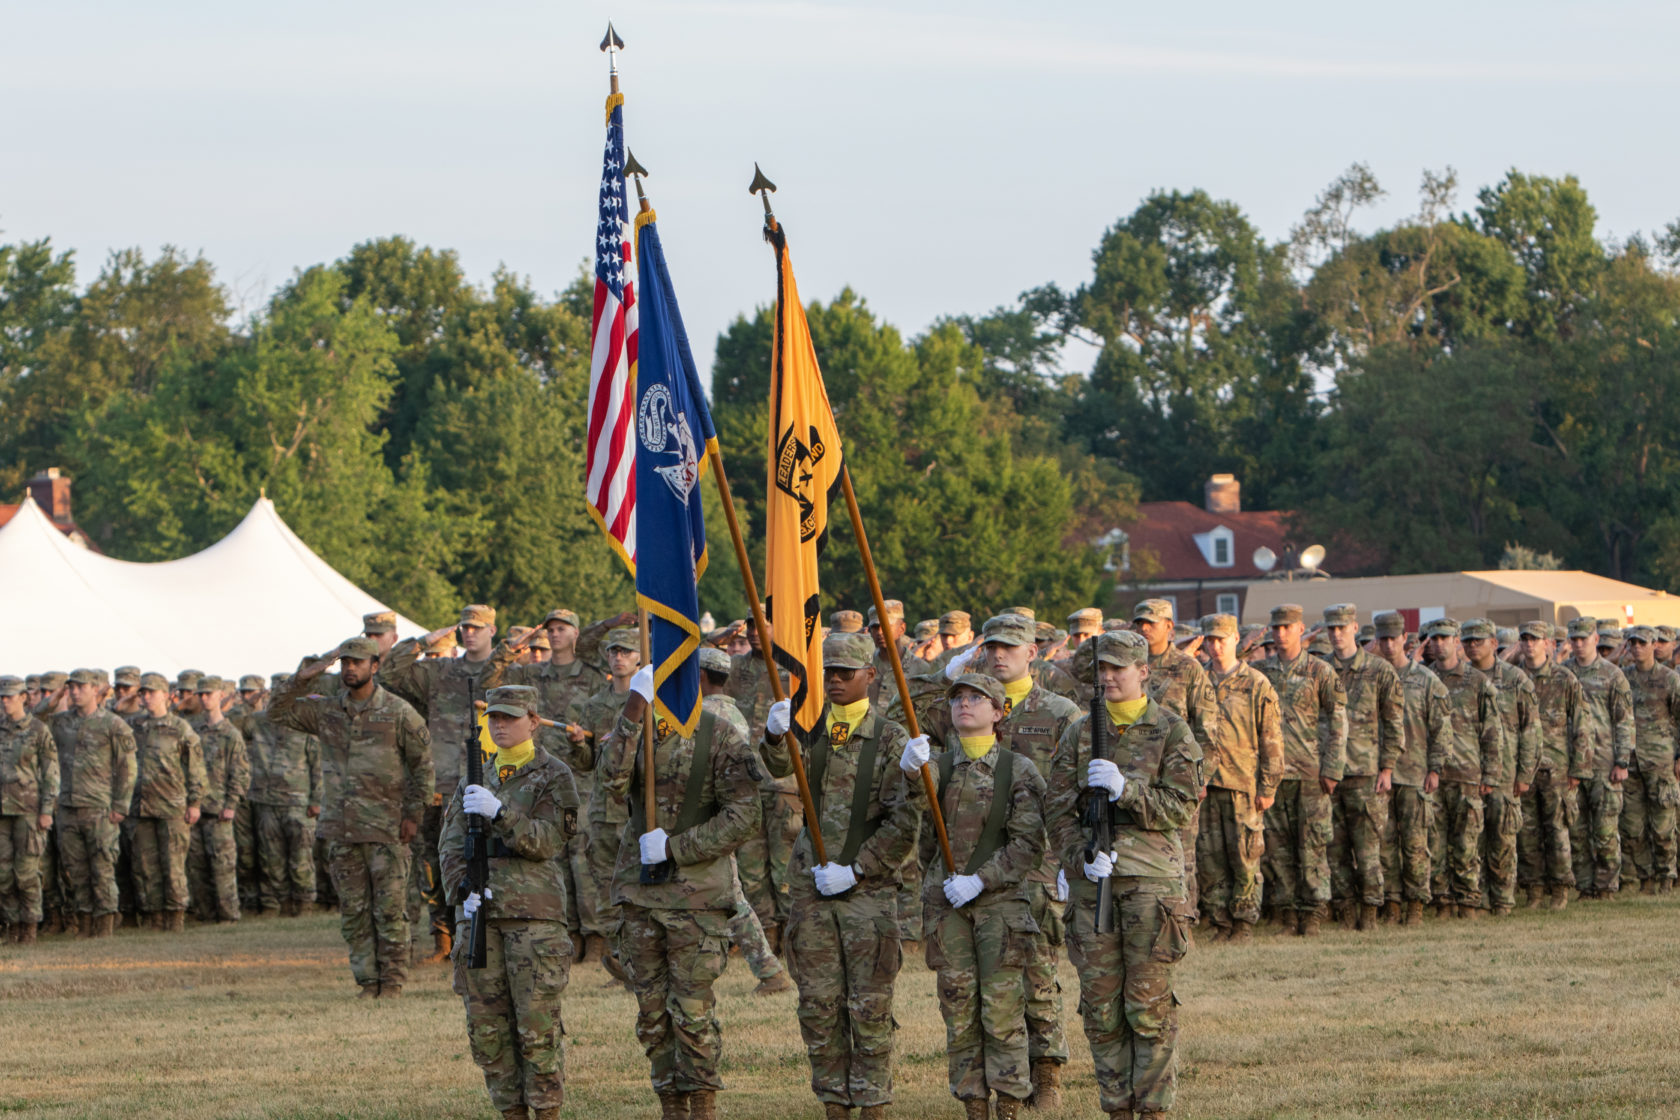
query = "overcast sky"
x=938 y=157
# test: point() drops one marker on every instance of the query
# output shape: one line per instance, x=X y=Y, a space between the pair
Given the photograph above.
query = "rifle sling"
x=991 y=834
x=692 y=812
x=861 y=826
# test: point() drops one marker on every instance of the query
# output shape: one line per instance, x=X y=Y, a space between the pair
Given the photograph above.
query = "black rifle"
x=1099 y=815
x=477 y=844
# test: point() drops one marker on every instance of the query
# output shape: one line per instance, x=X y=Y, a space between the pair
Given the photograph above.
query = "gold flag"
x=804 y=473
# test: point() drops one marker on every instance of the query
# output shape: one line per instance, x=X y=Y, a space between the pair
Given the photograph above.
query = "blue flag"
x=673 y=436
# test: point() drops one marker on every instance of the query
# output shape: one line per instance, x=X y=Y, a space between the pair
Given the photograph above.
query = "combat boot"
x=390 y=991
x=1008 y=1108
x=833 y=1110
x=770 y=985
x=702 y=1105
x=977 y=1110
x=24 y=933
x=176 y=921
x=105 y=925
x=1502 y=911
x=1473 y=913
x=773 y=934
x=1367 y=918
x=1647 y=886
x=55 y=920
x=1046 y=1084
x=268 y=912
x=1536 y=895
x=440 y=948
x=873 y=1112
x=515 y=1112
x=546 y=1113
x=594 y=948
x=1391 y=911
x=84 y=926
x=1311 y=921
x=1347 y=914
x=153 y=920
x=1414 y=914
x=1242 y=933
x=369 y=991
x=1120 y=1114
x=1665 y=886
x=1560 y=897
x=673 y=1106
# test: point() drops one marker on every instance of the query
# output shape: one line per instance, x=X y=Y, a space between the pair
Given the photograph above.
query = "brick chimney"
x=51 y=491
x=1222 y=494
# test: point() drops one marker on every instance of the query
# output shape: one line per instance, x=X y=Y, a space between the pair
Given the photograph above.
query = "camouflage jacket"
x=1656 y=714
x=603 y=811
x=28 y=768
x=169 y=758
x=725 y=708
x=729 y=805
x=1162 y=764
x=285 y=765
x=1560 y=703
x=1478 y=732
x=227 y=767
x=1032 y=729
x=1314 y=711
x=1428 y=725
x=965 y=806
x=883 y=691
x=895 y=805
x=561 y=689
x=442 y=690
x=1179 y=684
x=1052 y=677
x=244 y=717
x=1245 y=748
x=376 y=760
x=1608 y=714
x=527 y=839
x=1519 y=713
x=749 y=686
x=95 y=760
x=1375 y=709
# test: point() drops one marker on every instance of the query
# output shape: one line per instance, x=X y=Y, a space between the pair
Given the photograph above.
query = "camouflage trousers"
x=981 y=953
x=1045 y=1038
x=1455 y=844
x=1501 y=821
x=427 y=879
x=752 y=861
x=160 y=863
x=213 y=870
x=1595 y=839
x=1126 y=995
x=514 y=1025
x=672 y=958
x=910 y=899
x=372 y=885
x=128 y=872
x=247 y=849
x=1405 y=844
x=1187 y=837
x=325 y=894
x=21 y=845
x=52 y=883
x=846 y=954
x=747 y=933
x=286 y=855
x=1548 y=809
x=1649 y=797
x=784 y=820
x=1229 y=846
x=1358 y=815
x=87 y=852
x=575 y=864
x=1298 y=847
x=596 y=910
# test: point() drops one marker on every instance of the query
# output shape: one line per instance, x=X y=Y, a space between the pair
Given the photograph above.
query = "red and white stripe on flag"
x=610 y=460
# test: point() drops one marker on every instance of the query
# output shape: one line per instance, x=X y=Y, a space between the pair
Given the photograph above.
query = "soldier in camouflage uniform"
x=528 y=806
x=442 y=691
x=1595 y=842
x=1551 y=804
x=168 y=791
x=1150 y=779
x=28 y=799
x=1376 y=736
x=674 y=936
x=212 y=859
x=597 y=916
x=763 y=859
x=1519 y=753
x=286 y=797
x=843 y=931
x=376 y=777
x=1427 y=723
x=1651 y=792
x=979 y=931
x=96 y=783
x=253 y=697
x=1244 y=764
x=1468 y=773
x=1314 y=711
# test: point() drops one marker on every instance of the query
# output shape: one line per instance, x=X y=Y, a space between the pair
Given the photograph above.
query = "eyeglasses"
x=966 y=697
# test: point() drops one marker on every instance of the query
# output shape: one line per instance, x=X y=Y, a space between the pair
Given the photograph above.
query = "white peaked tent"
x=254 y=602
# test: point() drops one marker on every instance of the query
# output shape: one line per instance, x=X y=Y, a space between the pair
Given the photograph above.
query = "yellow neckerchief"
x=509 y=761
x=1124 y=713
x=1016 y=691
x=842 y=718
x=976 y=746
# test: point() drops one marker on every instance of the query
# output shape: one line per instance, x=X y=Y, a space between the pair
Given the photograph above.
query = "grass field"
x=1540 y=1015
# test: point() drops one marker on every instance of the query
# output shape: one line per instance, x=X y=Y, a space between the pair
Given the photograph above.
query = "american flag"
x=611 y=486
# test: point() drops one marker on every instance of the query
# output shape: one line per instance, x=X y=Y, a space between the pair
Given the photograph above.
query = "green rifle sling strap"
x=1003 y=781
x=692 y=810
x=861 y=826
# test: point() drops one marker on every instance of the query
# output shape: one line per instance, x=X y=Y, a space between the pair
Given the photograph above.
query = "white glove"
x=642 y=683
x=473 y=902
x=955 y=667
x=478 y=800
x=1103 y=774
x=1100 y=867
x=653 y=846
x=916 y=755
x=779 y=719
x=963 y=889
x=834 y=878
x=1061 y=886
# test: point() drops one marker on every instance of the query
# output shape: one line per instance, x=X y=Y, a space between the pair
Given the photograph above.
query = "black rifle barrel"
x=477 y=847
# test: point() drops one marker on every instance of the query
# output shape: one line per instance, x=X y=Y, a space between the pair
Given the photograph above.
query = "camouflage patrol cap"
x=1472 y=628
x=279 y=681
x=359 y=648
x=154 y=682
x=379 y=622
x=1583 y=627
x=477 y=614
x=511 y=700
x=1559 y=633
x=1009 y=630
x=1085 y=620
x=12 y=686
x=443 y=643
x=1666 y=634
x=570 y=618
x=1341 y=614
x=208 y=684
x=1507 y=637
x=1608 y=635
x=1043 y=632
x=188 y=680
x=1024 y=612
x=955 y=622
x=846 y=622
x=127 y=675
x=985 y=685
x=848 y=651
x=1319 y=646
x=1440 y=628
x=1389 y=624
x=84 y=676
x=1123 y=648
x=1058 y=635
x=1184 y=632
x=1112 y=624
x=517 y=632
x=54 y=680
x=714 y=660
x=1607 y=624
x=539 y=640
x=251 y=682
x=1153 y=610
x=1220 y=626
x=1535 y=629
x=895 y=612
x=623 y=638
x=925 y=629
x=1285 y=613
x=32 y=682
x=1646 y=634
x=1367 y=632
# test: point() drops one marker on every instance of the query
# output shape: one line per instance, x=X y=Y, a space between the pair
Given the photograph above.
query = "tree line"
x=1422 y=395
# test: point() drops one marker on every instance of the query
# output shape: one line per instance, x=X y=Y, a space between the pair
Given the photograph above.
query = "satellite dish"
x=1265 y=559
x=1312 y=557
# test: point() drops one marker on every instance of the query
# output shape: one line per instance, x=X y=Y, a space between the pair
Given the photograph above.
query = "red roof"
x=72 y=531
x=1167 y=531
